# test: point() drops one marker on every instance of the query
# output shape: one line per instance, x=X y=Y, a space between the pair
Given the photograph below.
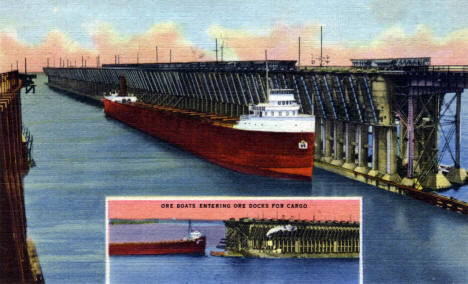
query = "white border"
x=107 y=243
x=361 y=247
x=202 y=197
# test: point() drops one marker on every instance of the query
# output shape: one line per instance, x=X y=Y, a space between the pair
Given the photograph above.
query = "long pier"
x=386 y=122
x=292 y=238
x=18 y=258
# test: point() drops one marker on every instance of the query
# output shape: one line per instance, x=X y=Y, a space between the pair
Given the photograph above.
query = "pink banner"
x=222 y=209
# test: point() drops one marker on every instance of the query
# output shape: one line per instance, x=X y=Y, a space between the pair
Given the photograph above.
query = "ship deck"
x=216 y=119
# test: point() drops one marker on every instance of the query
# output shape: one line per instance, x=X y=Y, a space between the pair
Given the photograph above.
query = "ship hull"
x=272 y=154
x=157 y=248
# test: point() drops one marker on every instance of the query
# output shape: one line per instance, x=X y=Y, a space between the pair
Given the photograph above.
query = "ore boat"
x=194 y=243
x=273 y=140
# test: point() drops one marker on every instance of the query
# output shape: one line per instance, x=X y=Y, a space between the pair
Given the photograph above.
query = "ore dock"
x=384 y=122
x=18 y=258
x=291 y=239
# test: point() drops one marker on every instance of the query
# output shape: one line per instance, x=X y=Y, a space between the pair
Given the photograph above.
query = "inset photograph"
x=238 y=239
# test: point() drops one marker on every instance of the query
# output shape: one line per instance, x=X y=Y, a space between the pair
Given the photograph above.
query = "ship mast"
x=266 y=78
x=189 y=226
x=321 y=47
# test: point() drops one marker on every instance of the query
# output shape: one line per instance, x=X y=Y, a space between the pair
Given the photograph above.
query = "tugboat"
x=193 y=243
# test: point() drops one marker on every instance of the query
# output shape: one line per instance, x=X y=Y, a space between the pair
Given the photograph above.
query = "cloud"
x=107 y=42
x=388 y=12
x=281 y=41
x=394 y=42
x=166 y=36
x=55 y=46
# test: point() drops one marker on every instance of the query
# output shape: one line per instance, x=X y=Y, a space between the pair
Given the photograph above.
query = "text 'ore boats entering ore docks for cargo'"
x=273 y=140
x=194 y=243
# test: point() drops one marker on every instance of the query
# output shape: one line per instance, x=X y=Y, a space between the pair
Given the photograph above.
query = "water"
x=82 y=157
x=213 y=230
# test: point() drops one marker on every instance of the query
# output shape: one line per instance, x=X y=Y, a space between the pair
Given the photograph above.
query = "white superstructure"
x=114 y=97
x=279 y=114
x=194 y=235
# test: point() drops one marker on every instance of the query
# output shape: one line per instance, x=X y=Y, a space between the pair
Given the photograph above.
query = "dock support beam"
x=374 y=172
x=457 y=174
x=391 y=153
x=318 y=138
x=430 y=176
x=409 y=180
x=350 y=144
x=362 y=148
x=328 y=137
x=337 y=143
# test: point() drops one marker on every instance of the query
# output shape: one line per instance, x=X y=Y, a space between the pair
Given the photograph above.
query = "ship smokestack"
x=123 y=86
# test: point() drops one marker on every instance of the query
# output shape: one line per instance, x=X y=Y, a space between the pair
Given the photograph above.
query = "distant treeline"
x=132 y=221
x=113 y=221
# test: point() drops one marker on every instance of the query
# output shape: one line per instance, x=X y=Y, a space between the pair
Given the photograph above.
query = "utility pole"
x=138 y=58
x=157 y=59
x=170 y=55
x=216 y=44
x=47 y=61
x=25 y=66
x=222 y=48
x=321 y=46
x=299 y=53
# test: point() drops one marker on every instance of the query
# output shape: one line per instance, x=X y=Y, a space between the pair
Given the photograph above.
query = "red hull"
x=151 y=248
x=272 y=154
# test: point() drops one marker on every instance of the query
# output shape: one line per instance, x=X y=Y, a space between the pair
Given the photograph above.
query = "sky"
x=41 y=29
x=317 y=209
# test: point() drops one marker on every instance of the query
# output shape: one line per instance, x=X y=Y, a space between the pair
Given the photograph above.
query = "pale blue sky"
x=344 y=21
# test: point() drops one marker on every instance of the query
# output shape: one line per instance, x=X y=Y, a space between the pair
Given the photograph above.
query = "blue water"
x=82 y=157
x=214 y=232
x=209 y=269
